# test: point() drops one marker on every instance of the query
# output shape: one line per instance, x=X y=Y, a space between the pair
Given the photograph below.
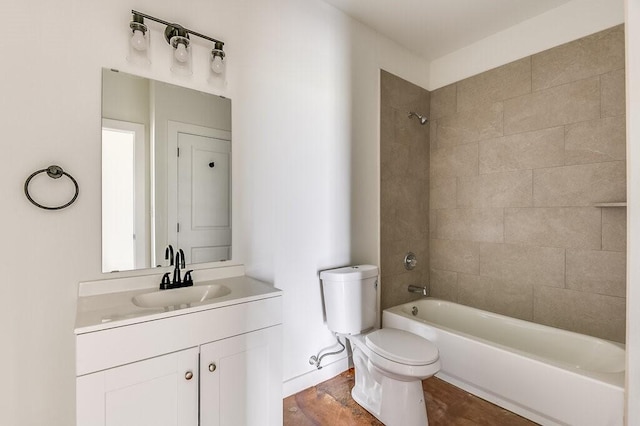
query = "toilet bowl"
x=390 y=364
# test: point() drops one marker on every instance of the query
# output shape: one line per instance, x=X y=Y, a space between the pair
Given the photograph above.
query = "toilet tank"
x=350 y=298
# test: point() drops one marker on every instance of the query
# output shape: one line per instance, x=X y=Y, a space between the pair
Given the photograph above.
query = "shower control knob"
x=410 y=261
x=212 y=367
x=188 y=375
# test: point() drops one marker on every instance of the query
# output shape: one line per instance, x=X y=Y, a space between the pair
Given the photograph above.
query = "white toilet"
x=390 y=364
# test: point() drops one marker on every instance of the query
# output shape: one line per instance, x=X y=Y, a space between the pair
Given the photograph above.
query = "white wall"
x=304 y=83
x=565 y=23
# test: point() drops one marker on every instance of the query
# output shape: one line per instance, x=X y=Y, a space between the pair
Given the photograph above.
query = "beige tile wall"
x=404 y=188
x=519 y=155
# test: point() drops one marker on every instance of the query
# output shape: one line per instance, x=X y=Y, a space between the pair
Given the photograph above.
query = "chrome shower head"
x=422 y=118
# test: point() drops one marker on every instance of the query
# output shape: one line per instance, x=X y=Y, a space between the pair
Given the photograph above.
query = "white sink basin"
x=180 y=296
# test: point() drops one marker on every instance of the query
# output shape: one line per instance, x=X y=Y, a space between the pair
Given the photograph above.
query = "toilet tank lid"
x=349 y=273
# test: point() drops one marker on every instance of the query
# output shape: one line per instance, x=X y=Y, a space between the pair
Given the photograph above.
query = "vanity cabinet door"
x=161 y=391
x=241 y=380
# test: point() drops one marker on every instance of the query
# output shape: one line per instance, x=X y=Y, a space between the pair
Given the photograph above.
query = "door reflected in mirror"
x=166 y=173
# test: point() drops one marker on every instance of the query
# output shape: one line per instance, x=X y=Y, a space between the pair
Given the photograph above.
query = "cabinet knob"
x=212 y=367
x=188 y=375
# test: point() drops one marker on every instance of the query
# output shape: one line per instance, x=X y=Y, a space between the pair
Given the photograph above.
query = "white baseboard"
x=312 y=378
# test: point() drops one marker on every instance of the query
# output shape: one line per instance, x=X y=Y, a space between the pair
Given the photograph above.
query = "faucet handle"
x=166 y=282
x=188 y=280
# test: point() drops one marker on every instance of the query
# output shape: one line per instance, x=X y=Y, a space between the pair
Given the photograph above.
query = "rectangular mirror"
x=166 y=173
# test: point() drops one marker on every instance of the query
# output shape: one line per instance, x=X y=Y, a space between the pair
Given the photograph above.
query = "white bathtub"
x=548 y=375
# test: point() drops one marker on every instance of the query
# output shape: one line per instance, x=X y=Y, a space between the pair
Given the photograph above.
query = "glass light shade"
x=138 y=40
x=181 y=53
x=181 y=58
x=217 y=64
x=139 y=44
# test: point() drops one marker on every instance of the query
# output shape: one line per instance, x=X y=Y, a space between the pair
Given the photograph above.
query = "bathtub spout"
x=417 y=289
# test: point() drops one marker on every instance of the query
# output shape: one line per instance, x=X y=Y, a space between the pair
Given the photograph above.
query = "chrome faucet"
x=417 y=289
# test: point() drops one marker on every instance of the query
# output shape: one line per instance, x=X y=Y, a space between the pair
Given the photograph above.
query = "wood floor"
x=330 y=403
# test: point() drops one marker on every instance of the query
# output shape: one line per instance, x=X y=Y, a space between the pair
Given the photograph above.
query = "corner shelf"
x=620 y=204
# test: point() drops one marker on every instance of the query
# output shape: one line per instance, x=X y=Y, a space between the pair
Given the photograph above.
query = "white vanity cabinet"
x=212 y=364
x=238 y=377
x=161 y=391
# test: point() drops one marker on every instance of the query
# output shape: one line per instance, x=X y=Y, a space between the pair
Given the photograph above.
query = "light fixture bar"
x=144 y=15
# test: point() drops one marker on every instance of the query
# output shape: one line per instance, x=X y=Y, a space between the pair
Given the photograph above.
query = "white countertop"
x=104 y=311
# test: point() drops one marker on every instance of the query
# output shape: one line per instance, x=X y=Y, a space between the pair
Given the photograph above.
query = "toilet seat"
x=402 y=347
x=390 y=350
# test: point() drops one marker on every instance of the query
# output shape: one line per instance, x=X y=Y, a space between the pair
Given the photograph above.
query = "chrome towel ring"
x=54 y=172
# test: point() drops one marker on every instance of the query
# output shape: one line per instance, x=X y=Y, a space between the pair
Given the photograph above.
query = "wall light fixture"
x=217 y=58
x=139 y=42
x=178 y=37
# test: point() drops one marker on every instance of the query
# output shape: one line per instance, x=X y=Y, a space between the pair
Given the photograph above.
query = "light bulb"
x=181 y=53
x=217 y=65
x=138 y=41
